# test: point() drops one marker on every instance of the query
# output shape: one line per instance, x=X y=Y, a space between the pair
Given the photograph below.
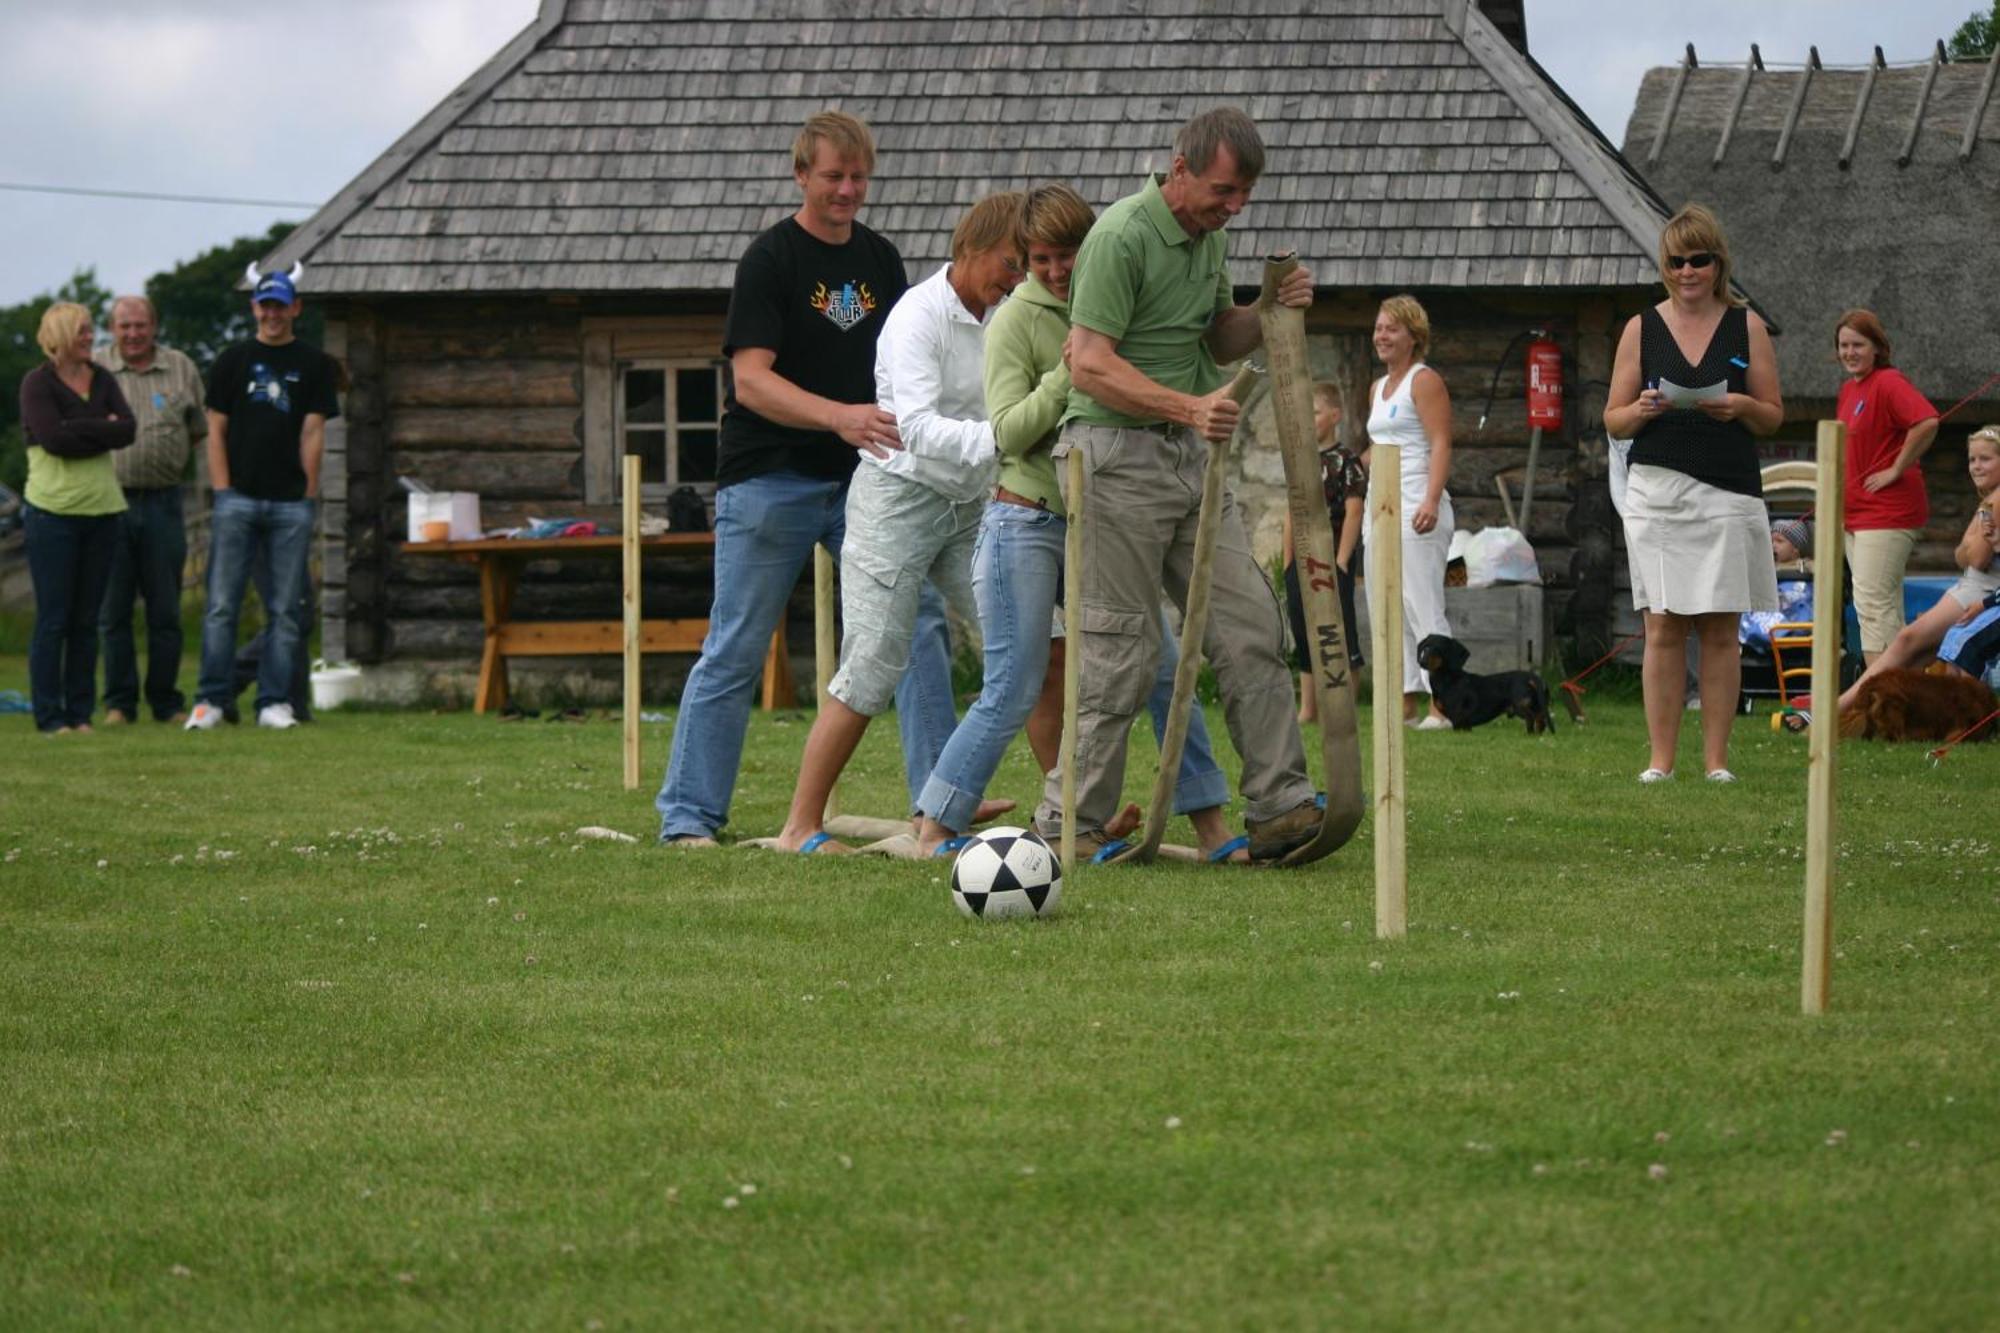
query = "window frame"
x=608 y=342
x=670 y=424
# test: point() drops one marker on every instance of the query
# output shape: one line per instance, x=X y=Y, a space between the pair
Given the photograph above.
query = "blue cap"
x=275 y=287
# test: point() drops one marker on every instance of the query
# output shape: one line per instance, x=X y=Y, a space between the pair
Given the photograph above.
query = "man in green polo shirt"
x=1153 y=318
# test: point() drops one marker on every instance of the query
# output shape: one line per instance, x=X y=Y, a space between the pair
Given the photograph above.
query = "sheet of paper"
x=1680 y=396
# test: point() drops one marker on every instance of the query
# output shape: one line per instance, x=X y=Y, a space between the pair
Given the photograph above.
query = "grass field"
x=344 y=1028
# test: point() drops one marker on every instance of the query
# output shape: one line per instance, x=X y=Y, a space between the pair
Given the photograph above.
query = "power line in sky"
x=24 y=188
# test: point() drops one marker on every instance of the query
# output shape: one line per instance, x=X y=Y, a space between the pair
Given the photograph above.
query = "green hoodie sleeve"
x=1024 y=403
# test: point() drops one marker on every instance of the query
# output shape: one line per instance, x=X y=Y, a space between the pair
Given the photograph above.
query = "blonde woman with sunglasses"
x=1695 y=380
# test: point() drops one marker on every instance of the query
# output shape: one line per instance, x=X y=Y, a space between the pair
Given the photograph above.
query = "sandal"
x=1223 y=854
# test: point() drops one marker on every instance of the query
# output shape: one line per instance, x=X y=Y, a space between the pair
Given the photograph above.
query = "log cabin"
x=533 y=278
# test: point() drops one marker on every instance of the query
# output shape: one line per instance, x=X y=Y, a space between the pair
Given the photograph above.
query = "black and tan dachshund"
x=1469 y=701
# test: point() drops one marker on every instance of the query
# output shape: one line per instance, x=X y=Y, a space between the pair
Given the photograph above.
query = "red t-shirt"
x=1878 y=410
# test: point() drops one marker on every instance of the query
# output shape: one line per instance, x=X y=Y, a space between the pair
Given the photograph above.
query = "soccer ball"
x=1006 y=872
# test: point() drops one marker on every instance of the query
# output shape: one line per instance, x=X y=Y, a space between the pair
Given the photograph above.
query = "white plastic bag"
x=1499 y=555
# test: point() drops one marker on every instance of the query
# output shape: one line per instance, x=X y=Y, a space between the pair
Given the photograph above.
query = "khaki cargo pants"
x=1142 y=500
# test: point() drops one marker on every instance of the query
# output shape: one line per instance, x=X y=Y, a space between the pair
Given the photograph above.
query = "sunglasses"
x=1701 y=259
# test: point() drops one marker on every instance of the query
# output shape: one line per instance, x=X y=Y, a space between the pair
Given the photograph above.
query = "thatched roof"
x=638 y=145
x=1908 y=226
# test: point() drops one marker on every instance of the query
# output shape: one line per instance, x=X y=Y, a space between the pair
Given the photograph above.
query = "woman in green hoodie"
x=1018 y=564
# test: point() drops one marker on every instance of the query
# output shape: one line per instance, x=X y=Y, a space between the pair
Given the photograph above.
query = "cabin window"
x=670 y=414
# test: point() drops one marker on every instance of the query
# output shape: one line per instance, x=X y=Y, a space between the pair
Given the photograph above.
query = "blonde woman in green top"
x=73 y=415
x=1018 y=564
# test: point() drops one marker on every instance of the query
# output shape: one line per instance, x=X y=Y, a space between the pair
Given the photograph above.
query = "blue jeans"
x=69 y=558
x=147 y=561
x=765 y=530
x=240 y=528
x=1016 y=576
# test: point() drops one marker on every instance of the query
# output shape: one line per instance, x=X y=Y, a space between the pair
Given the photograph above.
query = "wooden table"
x=500 y=563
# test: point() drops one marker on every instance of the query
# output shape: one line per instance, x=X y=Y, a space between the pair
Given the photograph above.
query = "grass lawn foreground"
x=344 y=1028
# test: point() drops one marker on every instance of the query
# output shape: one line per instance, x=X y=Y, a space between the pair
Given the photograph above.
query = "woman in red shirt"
x=1889 y=426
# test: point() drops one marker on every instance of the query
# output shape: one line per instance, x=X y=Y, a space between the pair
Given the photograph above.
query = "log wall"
x=1572 y=526
x=491 y=397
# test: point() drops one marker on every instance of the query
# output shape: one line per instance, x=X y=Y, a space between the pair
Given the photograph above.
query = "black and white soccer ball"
x=1007 y=872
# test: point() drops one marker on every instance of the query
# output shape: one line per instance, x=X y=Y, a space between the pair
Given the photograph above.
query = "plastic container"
x=334 y=685
x=437 y=530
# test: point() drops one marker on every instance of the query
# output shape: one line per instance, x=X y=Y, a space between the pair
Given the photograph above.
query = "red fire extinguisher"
x=1545 y=384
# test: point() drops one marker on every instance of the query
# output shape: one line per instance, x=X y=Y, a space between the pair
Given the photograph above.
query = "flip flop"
x=1221 y=855
x=952 y=846
x=815 y=842
x=1111 y=851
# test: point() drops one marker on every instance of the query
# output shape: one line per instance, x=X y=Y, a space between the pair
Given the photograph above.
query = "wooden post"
x=1823 y=737
x=1385 y=579
x=629 y=550
x=826 y=646
x=1528 y=478
x=1072 y=650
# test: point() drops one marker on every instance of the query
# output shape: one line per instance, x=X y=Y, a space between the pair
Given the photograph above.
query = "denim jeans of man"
x=1145 y=489
x=249 y=663
x=69 y=558
x=147 y=561
x=1016 y=576
x=765 y=530
x=238 y=527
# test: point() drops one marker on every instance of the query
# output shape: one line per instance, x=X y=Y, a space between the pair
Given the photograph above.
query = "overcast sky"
x=289 y=101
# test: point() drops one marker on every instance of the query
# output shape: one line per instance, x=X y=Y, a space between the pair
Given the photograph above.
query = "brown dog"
x=1905 y=704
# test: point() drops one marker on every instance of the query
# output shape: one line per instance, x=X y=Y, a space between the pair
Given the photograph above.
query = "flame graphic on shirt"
x=848 y=306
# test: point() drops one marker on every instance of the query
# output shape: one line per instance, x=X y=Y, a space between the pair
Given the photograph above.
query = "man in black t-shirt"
x=268 y=402
x=810 y=296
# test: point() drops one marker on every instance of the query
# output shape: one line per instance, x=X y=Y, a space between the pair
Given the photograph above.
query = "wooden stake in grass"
x=826 y=645
x=1072 y=657
x=1385 y=579
x=1823 y=737
x=629 y=554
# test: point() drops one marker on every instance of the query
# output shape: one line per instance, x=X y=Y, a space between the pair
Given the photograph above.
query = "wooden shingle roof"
x=638 y=145
x=1875 y=187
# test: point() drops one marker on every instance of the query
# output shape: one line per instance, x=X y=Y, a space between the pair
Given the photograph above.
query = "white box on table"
x=458 y=508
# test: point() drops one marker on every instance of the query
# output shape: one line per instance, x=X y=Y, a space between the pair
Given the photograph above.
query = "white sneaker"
x=205 y=717
x=1432 y=722
x=278 y=717
x=1721 y=775
x=1652 y=775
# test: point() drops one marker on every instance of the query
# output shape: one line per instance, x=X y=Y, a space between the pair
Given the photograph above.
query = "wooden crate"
x=1504 y=627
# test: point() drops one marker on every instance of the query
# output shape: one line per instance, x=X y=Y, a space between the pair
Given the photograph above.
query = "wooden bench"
x=500 y=562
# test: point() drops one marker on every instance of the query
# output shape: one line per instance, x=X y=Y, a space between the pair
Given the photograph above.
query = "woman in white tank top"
x=1408 y=407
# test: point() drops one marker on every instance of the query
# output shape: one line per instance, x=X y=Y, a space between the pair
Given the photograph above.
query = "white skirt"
x=1695 y=549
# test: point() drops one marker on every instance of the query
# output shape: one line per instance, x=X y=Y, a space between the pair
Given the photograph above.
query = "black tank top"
x=1721 y=453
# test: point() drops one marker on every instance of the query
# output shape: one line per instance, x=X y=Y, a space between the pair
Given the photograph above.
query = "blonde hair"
x=1409 y=312
x=1327 y=394
x=1691 y=231
x=848 y=134
x=61 y=322
x=994 y=221
x=1057 y=215
x=1988 y=434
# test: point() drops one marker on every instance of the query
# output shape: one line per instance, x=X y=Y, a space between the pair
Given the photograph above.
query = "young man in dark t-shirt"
x=268 y=402
x=810 y=297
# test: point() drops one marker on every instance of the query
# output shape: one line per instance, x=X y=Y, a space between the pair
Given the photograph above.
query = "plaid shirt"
x=166 y=400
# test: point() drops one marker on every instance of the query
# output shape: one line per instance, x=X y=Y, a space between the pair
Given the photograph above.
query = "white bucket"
x=335 y=685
